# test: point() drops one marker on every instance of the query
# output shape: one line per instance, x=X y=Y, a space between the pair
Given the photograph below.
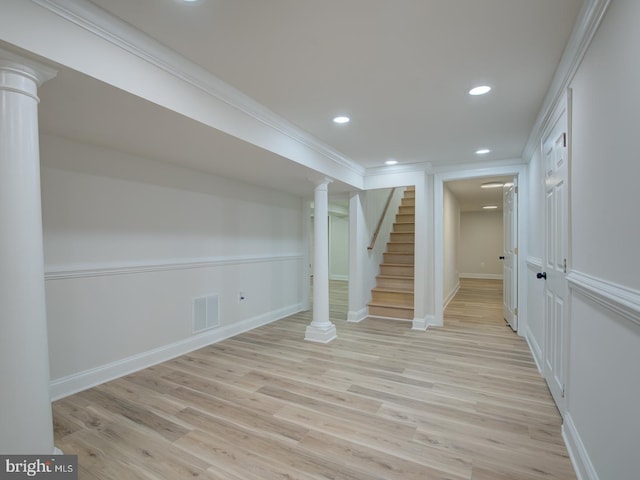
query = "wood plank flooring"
x=380 y=402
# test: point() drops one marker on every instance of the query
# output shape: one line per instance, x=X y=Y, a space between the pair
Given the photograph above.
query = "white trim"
x=341 y=278
x=534 y=263
x=24 y=66
x=534 y=347
x=489 y=165
x=64 y=272
x=65 y=386
x=483 y=276
x=119 y=33
x=320 y=334
x=583 y=32
x=422 y=324
x=358 y=315
x=519 y=170
x=621 y=300
x=418 y=167
x=577 y=451
x=451 y=295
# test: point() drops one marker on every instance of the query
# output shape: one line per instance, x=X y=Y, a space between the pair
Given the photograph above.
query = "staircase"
x=393 y=295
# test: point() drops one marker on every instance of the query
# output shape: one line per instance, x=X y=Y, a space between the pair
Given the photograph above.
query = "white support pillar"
x=358 y=253
x=26 y=425
x=423 y=283
x=321 y=329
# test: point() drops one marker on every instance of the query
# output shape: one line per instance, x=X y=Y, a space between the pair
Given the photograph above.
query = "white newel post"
x=26 y=425
x=321 y=329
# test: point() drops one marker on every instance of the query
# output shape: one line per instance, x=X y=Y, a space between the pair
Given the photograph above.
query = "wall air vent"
x=205 y=313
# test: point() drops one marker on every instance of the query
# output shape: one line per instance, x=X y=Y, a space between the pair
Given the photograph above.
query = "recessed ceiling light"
x=490 y=207
x=341 y=119
x=480 y=90
x=483 y=151
x=391 y=162
x=492 y=185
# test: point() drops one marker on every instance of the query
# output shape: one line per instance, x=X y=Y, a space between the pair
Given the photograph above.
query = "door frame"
x=516 y=170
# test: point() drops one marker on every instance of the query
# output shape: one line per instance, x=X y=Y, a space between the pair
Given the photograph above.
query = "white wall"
x=451 y=245
x=481 y=244
x=365 y=210
x=604 y=352
x=601 y=421
x=130 y=242
x=338 y=247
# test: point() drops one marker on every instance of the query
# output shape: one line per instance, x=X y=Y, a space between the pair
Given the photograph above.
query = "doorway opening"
x=479 y=242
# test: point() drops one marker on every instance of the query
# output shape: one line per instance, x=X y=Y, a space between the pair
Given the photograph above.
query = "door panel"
x=510 y=266
x=555 y=261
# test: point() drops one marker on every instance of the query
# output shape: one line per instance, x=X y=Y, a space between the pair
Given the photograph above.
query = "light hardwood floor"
x=380 y=402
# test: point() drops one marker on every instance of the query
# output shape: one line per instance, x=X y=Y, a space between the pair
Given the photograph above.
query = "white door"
x=510 y=265
x=555 y=257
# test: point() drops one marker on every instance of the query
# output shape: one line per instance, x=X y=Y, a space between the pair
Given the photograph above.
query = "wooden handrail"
x=379 y=226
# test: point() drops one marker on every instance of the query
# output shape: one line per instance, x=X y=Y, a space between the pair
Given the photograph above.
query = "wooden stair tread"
x=388 y=289
x=394 y=290
x=390 y=305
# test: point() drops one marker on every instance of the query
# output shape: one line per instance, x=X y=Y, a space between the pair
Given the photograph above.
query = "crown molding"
x=117 y=32
x=508 y=162
x=587 y=24
x=401 y=168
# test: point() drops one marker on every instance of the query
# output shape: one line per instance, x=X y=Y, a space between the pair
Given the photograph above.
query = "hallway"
x=380 y=402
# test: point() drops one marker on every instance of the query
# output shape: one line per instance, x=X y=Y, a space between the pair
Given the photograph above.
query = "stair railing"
x=379 y=226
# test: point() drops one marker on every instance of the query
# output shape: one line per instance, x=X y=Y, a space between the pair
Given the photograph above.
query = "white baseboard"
x=451 y=295
x=577 y=451
x=423 y=323
x=482 y=276
x=536 y=351
x=63 y=387
x=358 y=315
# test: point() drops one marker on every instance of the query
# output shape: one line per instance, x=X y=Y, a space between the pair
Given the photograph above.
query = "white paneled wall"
x=129 y=243
x=601 y=421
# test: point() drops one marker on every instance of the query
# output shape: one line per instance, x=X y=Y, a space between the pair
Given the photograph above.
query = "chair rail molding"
x=616 y=298
x=534 y=263
x=62 y=272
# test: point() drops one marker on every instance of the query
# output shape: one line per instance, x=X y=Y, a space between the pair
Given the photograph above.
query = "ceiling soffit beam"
x=587 y=24
x=270 y=131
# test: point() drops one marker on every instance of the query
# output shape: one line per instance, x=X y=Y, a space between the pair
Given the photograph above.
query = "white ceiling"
x=400 y=69
x=472 y=197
